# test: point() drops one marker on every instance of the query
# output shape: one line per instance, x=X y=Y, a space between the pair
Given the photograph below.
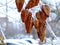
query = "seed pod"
x=28 y=23
x=32 y=3
x=29 y=28
x=19 y=4
x=24 y=15
x=40 y=29
x=46 y=10
x=41 y=17
x=40 y=26
x=41 y=35
x=36 y=24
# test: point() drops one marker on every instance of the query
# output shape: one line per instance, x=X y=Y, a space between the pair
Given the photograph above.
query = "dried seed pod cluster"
x=39 y=23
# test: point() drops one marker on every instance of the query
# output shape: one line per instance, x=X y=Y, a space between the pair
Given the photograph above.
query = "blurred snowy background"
x=12 y=26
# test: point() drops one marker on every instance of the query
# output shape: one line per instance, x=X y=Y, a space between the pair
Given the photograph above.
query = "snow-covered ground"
x=52 y=42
